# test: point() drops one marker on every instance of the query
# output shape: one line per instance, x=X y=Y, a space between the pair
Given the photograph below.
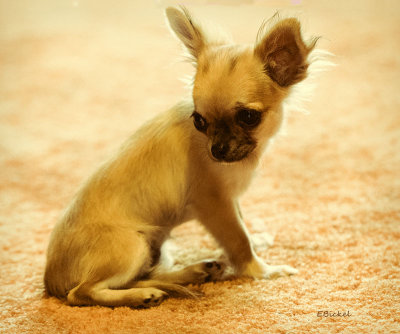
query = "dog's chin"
x=231 y=159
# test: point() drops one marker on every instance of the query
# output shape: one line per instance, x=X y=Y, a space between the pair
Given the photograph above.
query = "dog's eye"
x=248 y=117
x=199 y=122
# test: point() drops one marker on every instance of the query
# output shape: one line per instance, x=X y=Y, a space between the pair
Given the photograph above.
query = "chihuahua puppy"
x=191 y=162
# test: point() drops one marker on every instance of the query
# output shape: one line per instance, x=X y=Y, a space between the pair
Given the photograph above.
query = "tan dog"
x=192 y=162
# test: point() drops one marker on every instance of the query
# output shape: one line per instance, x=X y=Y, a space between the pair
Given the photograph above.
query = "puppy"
x=191 y=162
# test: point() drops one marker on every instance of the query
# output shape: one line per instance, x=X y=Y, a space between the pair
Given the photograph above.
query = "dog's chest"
x=236 y=178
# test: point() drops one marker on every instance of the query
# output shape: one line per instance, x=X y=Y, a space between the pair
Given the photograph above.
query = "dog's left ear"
x=284 y=53
x=186 y=30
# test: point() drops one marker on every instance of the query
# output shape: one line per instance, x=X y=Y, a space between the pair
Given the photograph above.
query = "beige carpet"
x=77 y=77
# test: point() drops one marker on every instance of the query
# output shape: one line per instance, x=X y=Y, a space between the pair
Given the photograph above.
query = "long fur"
x=193 y=161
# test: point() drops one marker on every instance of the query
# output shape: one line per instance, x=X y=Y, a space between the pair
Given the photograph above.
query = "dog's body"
x=192 y=162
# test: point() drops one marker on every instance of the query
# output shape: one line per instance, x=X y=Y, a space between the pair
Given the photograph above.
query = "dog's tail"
x=171 y=288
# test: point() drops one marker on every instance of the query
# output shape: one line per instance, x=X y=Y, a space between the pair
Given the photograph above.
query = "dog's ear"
x=186 y=30
x=283 y=52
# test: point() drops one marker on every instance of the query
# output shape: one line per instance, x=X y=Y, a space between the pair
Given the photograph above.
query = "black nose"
x=219 y=150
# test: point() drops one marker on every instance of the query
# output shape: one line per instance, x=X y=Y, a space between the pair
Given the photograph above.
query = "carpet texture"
x=77 y=77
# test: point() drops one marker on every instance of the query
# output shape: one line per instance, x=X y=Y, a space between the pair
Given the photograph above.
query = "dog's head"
x=238 y=91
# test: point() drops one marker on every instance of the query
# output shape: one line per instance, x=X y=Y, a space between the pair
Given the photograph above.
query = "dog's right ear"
x=188 y=32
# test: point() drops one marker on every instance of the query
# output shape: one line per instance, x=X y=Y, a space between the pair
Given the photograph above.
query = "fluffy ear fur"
x=284 y=53
x=189 y=33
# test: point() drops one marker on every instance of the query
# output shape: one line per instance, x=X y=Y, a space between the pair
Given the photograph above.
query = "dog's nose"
x=219 y=150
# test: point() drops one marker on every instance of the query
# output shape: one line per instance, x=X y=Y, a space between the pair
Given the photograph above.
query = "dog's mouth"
x=225 y=154
x=228 y=160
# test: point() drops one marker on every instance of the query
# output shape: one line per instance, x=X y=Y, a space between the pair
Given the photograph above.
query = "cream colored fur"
x=105 y=249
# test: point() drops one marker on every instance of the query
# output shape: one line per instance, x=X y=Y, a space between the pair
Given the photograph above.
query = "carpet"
x=78 y=77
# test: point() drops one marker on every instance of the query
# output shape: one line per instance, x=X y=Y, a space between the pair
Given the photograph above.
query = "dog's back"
x=118 y=210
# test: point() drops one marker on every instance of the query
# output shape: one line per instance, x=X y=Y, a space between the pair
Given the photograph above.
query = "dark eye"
x=199 y=122
x=249 y=117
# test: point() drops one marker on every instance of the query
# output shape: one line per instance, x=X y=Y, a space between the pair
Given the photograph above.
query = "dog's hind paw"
x=215 y=270
x=206 y=271
x=152 y=297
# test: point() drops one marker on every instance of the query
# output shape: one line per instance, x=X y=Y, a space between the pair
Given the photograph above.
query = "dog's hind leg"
x=109 y=267
x=205 y=271
x=101 y=294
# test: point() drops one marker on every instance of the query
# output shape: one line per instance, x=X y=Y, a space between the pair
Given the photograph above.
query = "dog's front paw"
x=260 y=270
x=279 y=271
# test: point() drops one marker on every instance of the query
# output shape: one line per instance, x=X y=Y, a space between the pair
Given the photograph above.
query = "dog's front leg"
x=222 y=218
